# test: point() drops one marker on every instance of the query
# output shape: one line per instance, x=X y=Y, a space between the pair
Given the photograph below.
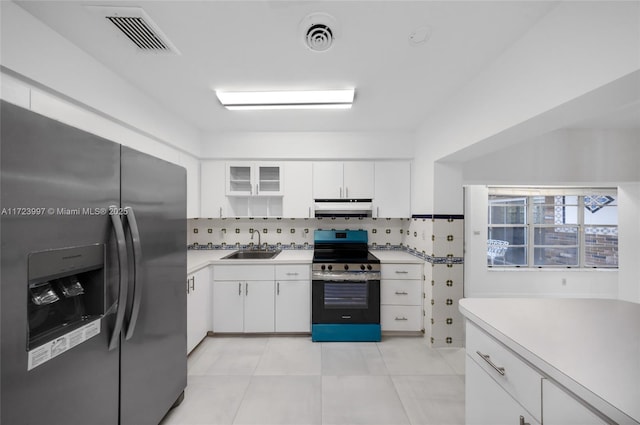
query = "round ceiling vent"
x=319 y=31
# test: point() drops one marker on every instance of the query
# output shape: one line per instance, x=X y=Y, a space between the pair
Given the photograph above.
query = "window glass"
x=566 y=230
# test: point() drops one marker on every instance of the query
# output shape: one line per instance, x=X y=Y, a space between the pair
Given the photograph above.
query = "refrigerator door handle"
x=137 y=271
x=123 y=279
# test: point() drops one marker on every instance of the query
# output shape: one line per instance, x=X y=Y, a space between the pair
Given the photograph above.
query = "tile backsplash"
x=285 y=232
x=437 y=239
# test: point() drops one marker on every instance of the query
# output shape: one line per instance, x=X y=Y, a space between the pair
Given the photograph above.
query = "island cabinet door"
x=559 y=408
x=487 y=403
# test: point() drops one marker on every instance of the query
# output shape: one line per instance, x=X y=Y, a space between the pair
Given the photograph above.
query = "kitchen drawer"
x=487 y=403
x=401 y=292
x=401 y=271
x=243 y=272
x=293 y=272
x=400 y=318
x=521 y=381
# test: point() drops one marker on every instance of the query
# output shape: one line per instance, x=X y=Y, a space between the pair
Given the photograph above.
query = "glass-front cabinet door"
x=239 y=180
x=269 y=181
x=254 y=179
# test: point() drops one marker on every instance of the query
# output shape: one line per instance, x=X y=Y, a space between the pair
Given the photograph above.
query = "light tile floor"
x=291 y=380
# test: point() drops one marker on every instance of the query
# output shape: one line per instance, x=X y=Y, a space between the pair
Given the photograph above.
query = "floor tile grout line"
x=251 y=379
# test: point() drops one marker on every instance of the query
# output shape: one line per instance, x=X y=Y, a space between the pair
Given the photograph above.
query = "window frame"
x=531 y=227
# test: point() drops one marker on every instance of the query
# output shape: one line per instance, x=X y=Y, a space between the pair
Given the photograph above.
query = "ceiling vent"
x=319 y=31
x=138 y=27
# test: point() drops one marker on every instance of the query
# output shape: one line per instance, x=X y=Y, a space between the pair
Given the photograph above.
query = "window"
x=542 y=228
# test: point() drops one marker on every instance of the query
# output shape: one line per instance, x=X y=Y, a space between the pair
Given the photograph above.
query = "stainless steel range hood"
x=343 y=207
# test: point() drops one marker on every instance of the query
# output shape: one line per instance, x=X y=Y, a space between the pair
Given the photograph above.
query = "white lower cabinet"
x=228 y=306
x=401 y=297
x=259 y=306
x=198 y=307
x=243 y=298
x=502 y=389
x=487 y=403
x=293 y=298
x=559 y=408
x=262 y=298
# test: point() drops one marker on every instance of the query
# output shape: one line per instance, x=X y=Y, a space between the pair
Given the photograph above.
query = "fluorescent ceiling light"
x=307 y=99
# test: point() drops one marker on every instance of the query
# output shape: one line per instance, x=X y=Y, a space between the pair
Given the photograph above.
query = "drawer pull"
x=522 y=422
x=401 y=318
x=401 y=293
x=292 y=274
x=487 y=359
x=401 y=272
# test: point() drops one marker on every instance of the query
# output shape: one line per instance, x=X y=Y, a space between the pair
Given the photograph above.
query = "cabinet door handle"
x=346 y=192
x=401 y=293
x=309 y=212
x=522 y=422
x=188 y=286
x=340 y=193
x=246 y=288
x=220 y=212
x=278 y=288
x=377 y=212
x=257 y=189
x=239 y=288
x=193 y=283
x=487 y=359
x=401 y=318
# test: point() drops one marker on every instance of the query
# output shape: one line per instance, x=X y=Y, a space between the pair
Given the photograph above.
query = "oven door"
x=345 y=301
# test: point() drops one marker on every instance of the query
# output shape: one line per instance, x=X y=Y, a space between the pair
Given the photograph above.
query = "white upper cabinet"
x=343 y=180
x=327 y=180
x=213 y=199
x=254 y=179
x=392 y=189
x=298 y=199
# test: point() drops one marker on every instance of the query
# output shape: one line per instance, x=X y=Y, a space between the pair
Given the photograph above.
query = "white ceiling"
x=257 y=45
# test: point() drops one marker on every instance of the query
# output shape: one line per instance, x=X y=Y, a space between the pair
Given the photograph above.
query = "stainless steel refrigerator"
x=93 y=305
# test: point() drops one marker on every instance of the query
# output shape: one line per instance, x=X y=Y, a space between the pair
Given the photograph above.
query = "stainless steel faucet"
x=259 y=241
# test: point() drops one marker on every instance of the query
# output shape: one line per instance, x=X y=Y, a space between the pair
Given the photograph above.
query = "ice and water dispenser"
x=66 y=292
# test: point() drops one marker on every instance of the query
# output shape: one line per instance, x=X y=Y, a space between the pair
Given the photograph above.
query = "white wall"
x=479 y=281
x=565 y=157
x=36 y=52
x=575 y=49
x=629 y=242
x=309 y=145
x=43 y=72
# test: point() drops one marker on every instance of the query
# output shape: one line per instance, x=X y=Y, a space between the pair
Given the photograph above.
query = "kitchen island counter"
x=591 y=347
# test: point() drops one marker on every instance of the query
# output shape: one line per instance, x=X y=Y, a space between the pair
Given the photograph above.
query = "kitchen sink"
x=251 y=254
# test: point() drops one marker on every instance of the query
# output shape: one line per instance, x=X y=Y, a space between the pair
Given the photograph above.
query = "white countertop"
x=589 y=346
x=197 y=259
x=388 y=256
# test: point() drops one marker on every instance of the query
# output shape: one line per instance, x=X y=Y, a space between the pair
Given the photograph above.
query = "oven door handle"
x=338 y=280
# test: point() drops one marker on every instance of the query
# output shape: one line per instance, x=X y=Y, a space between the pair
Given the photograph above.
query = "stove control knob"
x=329 y=267
x=361 y=266
x=322 y=267
x=369 y=267
x=346 y=267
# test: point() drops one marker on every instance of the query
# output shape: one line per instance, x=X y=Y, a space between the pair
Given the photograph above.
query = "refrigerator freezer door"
x=55 y=179
x=153 y=360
